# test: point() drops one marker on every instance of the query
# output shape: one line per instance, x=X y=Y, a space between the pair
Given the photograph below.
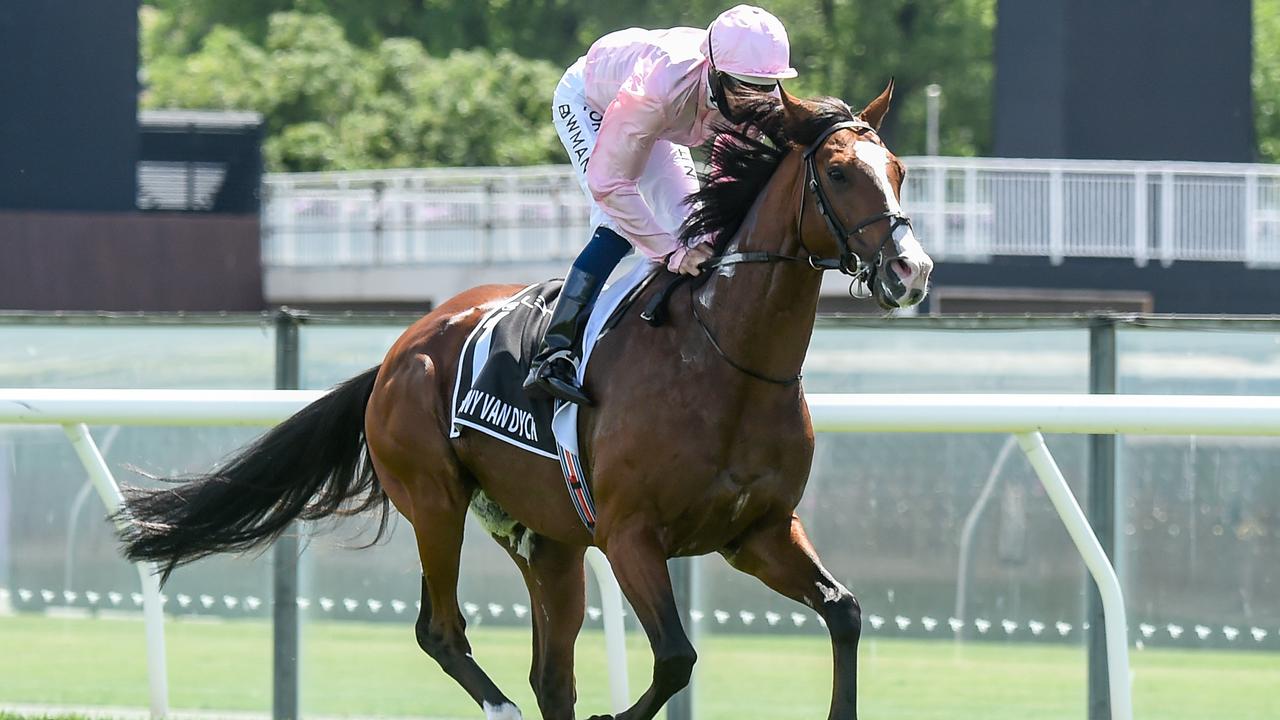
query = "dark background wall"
x=1124 y=79
x=1183 y=287
x=71 y=233
x=129 y=261
x=68 y=89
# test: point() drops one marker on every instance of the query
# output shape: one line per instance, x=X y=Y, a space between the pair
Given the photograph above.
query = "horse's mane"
x=740 y=165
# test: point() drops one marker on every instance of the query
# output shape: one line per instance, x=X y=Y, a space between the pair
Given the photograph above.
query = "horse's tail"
x=307 y=467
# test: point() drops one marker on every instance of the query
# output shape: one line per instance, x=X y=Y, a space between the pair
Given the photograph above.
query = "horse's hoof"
x=600 y=717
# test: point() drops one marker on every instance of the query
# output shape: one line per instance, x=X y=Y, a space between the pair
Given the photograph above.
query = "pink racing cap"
x=751 y=45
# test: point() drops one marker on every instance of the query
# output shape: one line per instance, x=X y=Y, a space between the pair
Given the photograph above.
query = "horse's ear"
x=875 y=111
x=790 y=103
x=797 y=112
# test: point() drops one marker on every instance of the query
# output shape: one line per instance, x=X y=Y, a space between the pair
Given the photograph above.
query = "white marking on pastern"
x=505 y=711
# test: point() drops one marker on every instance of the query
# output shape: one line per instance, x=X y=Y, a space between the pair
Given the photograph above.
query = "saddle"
x=488 y=392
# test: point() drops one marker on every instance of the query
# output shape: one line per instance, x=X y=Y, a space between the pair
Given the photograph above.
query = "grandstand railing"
x=965 y=208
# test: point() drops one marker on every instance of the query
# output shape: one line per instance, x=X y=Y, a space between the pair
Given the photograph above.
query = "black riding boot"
x=555 y=367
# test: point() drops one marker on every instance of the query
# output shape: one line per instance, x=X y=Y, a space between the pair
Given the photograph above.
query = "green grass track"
x=366 y=669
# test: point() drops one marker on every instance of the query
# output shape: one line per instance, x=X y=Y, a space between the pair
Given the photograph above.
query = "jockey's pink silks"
x=636 y=102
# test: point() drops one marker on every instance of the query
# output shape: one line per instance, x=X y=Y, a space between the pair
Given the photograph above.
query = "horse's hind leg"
x=405 y=426
x=439 y=516
x=780 y=554
x=555 y=577
x=436 y=504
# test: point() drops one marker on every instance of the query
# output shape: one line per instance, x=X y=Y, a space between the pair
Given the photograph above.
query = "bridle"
x=864 y=274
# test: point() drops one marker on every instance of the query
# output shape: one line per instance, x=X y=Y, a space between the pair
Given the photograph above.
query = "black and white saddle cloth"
x=489 y=395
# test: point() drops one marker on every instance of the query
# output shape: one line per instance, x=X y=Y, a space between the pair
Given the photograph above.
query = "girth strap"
x=655 y=312
x=575 y=479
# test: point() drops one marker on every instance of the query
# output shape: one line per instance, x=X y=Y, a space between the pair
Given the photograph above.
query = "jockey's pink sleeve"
x=652 y=88
x=627 y=135
x=669 y=179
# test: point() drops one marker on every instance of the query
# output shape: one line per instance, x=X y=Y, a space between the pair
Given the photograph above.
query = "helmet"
x=751 y=45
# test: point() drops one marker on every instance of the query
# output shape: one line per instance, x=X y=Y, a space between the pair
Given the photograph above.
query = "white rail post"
x=346 y=208
x=1095 y=559
x=967 y=533
x=152 y=607
x=615 y=638
x=938 y=201
x=1057 y=217
x=1141 y=242
x=1251 y=218
x=1167 y=190
x=971 y=212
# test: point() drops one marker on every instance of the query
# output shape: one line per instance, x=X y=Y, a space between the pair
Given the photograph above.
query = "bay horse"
x=699 y=442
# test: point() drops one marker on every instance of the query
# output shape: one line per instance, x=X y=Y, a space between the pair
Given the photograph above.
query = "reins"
x=693 y=307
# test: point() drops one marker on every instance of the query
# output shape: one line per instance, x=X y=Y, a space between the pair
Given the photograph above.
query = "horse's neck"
x=761 y=314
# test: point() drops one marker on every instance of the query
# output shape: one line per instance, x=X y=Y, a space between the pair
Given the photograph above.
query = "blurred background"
x=174 y=172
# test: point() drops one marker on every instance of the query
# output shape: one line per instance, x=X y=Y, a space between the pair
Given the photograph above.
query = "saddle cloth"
x=488 y=393
x=495 y=360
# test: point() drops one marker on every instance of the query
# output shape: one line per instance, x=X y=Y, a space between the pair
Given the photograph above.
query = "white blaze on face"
x=877 y=158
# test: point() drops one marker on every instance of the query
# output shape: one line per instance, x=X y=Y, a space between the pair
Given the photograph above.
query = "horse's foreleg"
x=780 y=554
x=640 y=564
x=441 y=630
x=557 y=591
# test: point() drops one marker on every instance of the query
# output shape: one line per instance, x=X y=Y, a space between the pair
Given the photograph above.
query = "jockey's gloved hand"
x=693 y=257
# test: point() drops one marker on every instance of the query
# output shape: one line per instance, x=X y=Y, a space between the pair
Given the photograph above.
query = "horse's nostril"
x=903 y=269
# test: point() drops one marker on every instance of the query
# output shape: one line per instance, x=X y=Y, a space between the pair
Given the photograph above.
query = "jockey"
x=633 y=106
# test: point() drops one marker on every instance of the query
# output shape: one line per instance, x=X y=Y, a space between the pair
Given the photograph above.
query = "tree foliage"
x=332 y=105
x=850 y=50
x=1266 y=77
x=386 y=83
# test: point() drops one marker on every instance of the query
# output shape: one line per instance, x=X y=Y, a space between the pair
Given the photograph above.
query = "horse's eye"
x=836 y=175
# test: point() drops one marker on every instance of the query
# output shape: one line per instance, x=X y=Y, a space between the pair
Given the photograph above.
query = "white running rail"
x=1025 y=416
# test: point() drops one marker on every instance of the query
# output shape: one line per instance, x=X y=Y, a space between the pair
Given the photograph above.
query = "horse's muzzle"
x=904 y=281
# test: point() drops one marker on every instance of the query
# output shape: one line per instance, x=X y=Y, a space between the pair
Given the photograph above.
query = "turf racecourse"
x=365 y=669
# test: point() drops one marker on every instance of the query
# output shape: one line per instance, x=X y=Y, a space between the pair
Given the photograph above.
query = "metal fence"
x=452 y=215
x=979 y=207
x=964 y=208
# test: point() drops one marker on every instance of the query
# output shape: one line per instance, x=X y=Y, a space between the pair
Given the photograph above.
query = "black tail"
x=307 y=467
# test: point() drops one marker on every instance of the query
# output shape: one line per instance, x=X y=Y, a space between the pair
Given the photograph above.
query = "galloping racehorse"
x=699 y=441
